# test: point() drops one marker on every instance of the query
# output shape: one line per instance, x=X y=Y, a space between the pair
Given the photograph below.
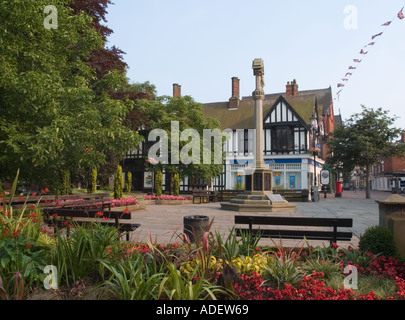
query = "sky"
x=202 y=44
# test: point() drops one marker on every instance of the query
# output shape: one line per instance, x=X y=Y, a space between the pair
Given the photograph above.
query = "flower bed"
x=231 y=268
x=165 y=197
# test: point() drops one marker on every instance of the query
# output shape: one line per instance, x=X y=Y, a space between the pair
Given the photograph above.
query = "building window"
x=282 y=139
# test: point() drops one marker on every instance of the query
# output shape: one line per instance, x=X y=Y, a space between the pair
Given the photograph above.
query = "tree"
x=56 y=113
x=364 y=140
x=188 y=114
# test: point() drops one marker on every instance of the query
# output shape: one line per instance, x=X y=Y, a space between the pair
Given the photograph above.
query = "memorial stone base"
x=258 y=196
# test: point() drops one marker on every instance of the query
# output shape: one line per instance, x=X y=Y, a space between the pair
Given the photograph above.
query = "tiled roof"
x=243 y=116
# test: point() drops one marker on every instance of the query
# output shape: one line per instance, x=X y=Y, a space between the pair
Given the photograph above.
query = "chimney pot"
x=292 y=88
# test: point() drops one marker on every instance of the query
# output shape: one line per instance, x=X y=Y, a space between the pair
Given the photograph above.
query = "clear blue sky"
x=202 y=44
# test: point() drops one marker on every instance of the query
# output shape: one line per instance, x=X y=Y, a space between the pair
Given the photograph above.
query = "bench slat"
x=298 y=234
x=294 y=221
x=77 y=213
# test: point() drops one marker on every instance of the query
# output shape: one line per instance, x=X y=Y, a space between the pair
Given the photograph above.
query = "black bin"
x=195 y=227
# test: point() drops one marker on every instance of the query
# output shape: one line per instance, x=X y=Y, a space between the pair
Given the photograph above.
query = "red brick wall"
x=395 y=165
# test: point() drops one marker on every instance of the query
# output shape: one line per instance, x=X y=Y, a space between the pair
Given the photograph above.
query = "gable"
x=283 y=112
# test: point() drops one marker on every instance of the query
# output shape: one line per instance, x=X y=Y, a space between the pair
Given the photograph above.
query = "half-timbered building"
x=289 y=135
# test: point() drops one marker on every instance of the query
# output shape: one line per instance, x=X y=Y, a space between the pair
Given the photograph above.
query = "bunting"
x=376 y=35
x=363 y=52
x=400 y=14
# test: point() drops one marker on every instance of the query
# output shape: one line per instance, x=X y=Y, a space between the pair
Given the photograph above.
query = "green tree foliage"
x=161 y=112
x=363 y=140
x=55 y=110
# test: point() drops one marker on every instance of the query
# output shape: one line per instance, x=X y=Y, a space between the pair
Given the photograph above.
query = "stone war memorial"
x=258 y=196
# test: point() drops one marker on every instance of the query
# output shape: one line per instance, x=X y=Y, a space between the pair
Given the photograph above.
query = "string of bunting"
x=364 y=51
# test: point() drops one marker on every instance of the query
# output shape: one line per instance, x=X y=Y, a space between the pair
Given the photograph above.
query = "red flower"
x=99 y=214
x=126 y=211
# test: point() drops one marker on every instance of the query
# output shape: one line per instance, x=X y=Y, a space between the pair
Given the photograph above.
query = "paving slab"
x=164 y=223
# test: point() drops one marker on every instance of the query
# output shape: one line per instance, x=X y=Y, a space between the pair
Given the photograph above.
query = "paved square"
x=164 y=223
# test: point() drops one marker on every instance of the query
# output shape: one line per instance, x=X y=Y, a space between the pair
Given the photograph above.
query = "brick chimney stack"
x=176 y=90
x=292 y=89
x=235 y=87
x=235 y=98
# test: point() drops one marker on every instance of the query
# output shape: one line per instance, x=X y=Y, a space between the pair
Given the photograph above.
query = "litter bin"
x=315 y=194
x=338 y=189
x=195 y=227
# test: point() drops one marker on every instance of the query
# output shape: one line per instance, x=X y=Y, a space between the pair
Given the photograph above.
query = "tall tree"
x=102 y=59
x=363 y=140
x=55 y=111
x=175 y=116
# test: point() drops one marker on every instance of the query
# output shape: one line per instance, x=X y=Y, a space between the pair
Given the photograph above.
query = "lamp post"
x=314 y=125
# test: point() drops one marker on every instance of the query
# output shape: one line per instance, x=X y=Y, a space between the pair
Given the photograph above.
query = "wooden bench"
x=204 y=196
x=60 y=218
x=96 y=200
x=226 y=195
x=292 y=195
x=314 y=234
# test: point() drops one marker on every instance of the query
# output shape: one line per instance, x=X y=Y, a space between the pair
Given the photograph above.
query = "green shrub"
x=176 y=184
x=92 y=185
x=378 y=240
x=158 y=183
x=66 y=185
x=118 y=183
x=128 y=184
x=280 y=272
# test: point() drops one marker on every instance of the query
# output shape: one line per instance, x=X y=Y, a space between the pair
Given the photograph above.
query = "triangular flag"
x=357 y=60
x=371 y=44
x=377 y=35
x=352 y=68
x=386 y=24
x=348 y=74
x=340 y=85
x=344 y=79
x=400 y=14
x=363 y=52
